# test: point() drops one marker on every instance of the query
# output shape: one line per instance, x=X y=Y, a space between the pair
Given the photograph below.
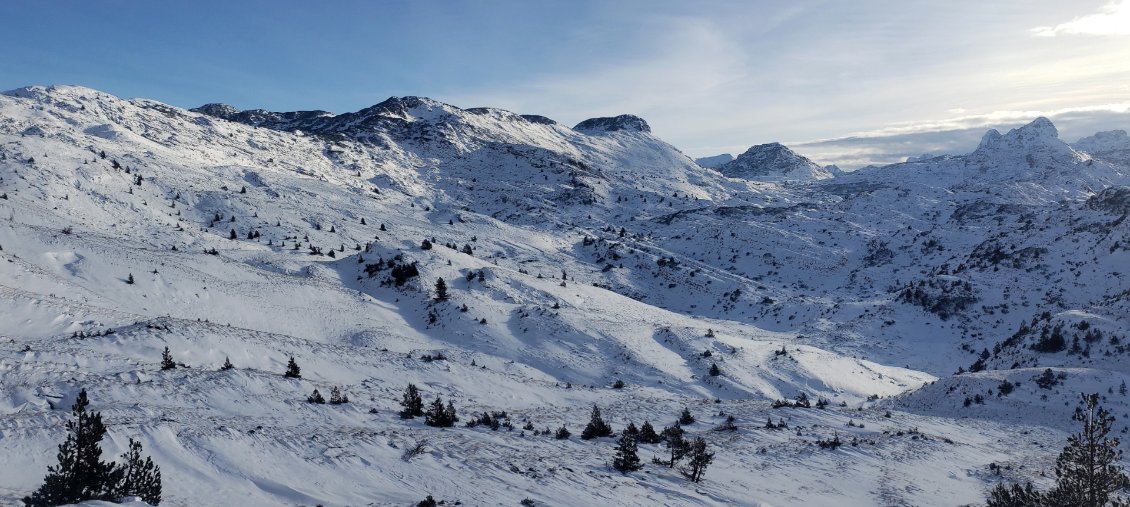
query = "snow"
x=869 y=289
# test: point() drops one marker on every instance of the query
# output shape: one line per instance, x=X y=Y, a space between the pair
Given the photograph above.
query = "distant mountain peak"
x=714 y=162
x=774 y=162
x=1111 y=145
x=406 y=107
x=1038 y=132
x=217 y=109
x=627 y=122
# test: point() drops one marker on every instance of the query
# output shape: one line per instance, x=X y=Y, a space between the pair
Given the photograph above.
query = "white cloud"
x=1112 y=19
x=955 y=136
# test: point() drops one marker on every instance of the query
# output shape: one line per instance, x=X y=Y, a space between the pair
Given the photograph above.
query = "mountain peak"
x=1039 y=128
x=405 y=107
x=218 y=110
x=1035 y=142
x=627 y=122
x=773 y=162
x=1038 y=132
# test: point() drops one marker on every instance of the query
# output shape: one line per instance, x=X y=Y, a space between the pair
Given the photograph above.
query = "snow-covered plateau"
x=594 y=265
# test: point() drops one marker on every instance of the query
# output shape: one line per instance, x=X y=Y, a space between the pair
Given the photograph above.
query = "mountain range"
x=592 y=265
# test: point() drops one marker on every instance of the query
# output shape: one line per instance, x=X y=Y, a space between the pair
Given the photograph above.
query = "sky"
x=851 y=83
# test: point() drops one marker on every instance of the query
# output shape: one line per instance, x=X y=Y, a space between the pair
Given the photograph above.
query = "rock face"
x=1115 y=200
x=774 y=162
x=626 y=122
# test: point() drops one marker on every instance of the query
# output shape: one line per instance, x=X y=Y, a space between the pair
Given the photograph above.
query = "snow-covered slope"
x=574 y=258
x=714 y=162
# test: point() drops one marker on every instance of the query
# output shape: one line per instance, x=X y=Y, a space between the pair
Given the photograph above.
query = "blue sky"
x=848 y=82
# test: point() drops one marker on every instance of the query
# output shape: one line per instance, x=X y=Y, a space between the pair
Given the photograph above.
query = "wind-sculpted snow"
x=573 y=259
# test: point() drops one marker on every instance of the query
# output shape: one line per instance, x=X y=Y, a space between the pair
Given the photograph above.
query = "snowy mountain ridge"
x=773 y=162
x=574 y=258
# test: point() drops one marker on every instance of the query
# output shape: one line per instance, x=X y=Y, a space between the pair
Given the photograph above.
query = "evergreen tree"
x=441 y=290
x=698 y=458
x=292 y=370
x=129 y=279
x=1014 y=496
x=686 y=417
x=1089 y=469
x=439 y=415
x=316 y=398
x=631 y=430
x=596 y=427
x=450 y=415
x=227 y=364
x=677 y=446
x=562 y=433
x=627 y=459
x=648 y=435
x=336 y=398
x=412 y=404
x=232 y=235
x=80 y=474
x=140 y=478
x=714 y=370
x=167 y=362
x=467 y=250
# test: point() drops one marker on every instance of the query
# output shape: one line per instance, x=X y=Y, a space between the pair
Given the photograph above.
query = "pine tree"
x=648 y=435
x=412 y=404
x=1014 y=496
x=627 y=458
x=227 y=364
x=80 y=474
x=596 y=427
x=140 y=478
x=714 y=370
x=631 y=430
x=439 y=415
x=698 y=458
x=562 y=433
x=129 y=279
x=434 y=414
x=686 y=417
x=336 y=398
x=449 y=414
x=167 y=362
x=677 y=446
x=316 y=397
x=292 y=370
x=232 y=235
x=441 y=290
x=1089 y=469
